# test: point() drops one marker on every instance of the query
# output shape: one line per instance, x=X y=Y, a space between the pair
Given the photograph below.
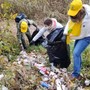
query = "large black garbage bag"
x=58 y=51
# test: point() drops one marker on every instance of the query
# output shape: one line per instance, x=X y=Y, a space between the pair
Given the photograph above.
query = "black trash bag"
x=58 y=51
x=39 y=40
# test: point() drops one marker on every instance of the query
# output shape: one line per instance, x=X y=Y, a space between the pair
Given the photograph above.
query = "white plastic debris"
x=55 y=76
x=51 y=73
x=62 y=79
x=87 y=82
x=23 y=54
x=64 y=70
x=4 y=88
x=26 y=62
x=80 y=88
x=58 y=84
x=1 y=76
x=19 y=62
x=38 y=65
x=45 y=79
x=32 y=58
x=64 y=87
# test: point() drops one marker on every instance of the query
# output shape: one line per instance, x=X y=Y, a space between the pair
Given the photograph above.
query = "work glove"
x=44 y=44
x=63 y=39
x=32 y=42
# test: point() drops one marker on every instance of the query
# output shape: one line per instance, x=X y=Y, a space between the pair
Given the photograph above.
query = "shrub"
x=8 y=44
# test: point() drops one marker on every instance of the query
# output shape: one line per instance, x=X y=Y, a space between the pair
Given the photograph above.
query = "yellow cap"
x=24 y=26
x=75 y=7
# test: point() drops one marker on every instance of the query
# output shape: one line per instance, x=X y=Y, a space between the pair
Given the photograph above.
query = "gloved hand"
x=63 y=39
x=44 y=44
x=32 y=42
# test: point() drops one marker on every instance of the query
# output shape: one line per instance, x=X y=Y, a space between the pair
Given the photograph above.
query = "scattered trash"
x=1 y=76
x=4 y=88
x=29 y=72
x=44 y=84
x=87 y=82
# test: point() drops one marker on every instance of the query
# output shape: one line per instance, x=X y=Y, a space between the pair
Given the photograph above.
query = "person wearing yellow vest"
x=23 y=24
x=78 y=29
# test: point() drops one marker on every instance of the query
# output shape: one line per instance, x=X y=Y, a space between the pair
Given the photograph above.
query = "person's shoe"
x=79 y=77
x=72 y=78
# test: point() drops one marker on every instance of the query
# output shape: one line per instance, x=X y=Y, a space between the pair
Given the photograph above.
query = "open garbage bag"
x=58 y=51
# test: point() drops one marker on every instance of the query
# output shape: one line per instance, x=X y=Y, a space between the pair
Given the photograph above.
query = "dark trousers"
x=21 y=38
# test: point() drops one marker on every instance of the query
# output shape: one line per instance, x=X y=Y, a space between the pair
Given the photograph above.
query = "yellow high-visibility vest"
x=74 y=28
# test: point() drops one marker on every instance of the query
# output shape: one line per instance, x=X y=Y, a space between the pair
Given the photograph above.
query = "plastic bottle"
x=44 y=84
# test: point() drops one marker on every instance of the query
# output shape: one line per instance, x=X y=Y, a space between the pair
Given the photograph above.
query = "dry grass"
x=40 y=9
